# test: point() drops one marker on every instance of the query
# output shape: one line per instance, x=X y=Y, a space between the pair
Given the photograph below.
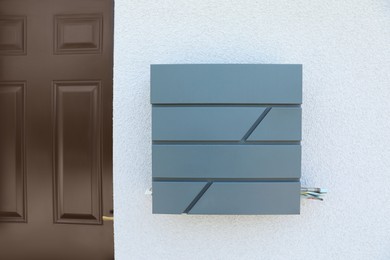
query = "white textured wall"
x=344 y=47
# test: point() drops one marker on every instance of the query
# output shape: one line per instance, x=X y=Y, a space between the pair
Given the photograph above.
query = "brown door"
x=56 y=129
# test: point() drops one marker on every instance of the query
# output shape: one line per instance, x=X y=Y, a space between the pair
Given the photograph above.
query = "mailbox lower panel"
x=226 y=197
x=226 y=161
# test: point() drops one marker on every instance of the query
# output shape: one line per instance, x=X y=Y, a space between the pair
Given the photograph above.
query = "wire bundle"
x=313 y=193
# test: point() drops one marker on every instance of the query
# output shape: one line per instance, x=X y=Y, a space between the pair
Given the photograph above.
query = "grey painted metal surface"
x=172 y=123
x=203 y=123
x=174 y=197
x=280 y=124
x=249 y=198
x=226 y=84
x=226 y=161
x=226 y=139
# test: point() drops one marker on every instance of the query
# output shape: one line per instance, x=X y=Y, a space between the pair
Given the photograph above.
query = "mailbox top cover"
x=226 y=84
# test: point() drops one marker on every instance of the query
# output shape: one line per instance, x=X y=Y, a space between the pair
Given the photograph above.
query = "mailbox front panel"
x=226 y=138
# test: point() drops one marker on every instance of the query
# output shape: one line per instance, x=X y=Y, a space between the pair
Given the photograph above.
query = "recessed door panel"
x=12 y=35
x=78 y=33
x=12 y=172
x=77 y=152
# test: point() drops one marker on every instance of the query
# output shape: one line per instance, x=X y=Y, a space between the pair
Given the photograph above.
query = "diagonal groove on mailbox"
x=197 y=197
x=255 y=124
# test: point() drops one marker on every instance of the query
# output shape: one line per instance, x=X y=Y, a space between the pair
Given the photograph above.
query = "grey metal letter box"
x=226 y=138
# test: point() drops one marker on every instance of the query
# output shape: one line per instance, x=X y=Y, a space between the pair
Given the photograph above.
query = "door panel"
x=12 y=177
x=56 y=129
x=13 y=35
x=78 y=34
x=77 y=152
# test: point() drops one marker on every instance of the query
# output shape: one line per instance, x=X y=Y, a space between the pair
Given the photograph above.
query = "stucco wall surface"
x=344 y=47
